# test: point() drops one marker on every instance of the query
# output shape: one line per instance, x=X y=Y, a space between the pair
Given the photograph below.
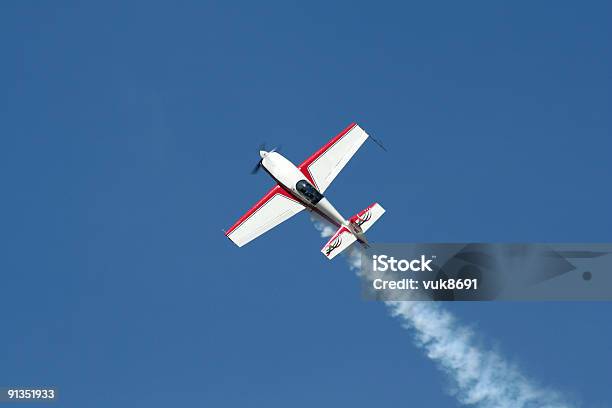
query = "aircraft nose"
x=263 y=153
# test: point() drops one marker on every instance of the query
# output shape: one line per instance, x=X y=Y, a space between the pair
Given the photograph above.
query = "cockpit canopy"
x=308 y=192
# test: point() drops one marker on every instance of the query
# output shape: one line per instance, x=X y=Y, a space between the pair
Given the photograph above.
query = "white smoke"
x=479 y=377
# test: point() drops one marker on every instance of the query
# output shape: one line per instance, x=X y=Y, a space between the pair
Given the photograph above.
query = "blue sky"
x=128 y=132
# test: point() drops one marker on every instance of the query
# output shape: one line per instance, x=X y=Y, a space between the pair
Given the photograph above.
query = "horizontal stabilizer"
x=342 y=239
x=346 y=235
x=366 y=218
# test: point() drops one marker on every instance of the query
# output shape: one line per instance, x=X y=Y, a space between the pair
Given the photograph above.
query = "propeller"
x=257 y=167
x=263 y=153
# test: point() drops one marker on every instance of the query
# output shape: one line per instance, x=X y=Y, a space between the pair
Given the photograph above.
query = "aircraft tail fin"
x=358 y=225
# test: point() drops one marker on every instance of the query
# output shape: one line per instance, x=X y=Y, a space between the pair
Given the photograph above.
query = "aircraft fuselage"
x=291 y=178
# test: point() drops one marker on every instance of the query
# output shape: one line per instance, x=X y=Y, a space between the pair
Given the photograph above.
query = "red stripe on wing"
x=277 y=189
x=304 y=166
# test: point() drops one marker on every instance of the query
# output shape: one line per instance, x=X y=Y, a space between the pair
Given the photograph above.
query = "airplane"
x=302 y=187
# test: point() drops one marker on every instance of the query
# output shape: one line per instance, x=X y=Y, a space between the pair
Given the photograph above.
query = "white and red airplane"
x=302 y=187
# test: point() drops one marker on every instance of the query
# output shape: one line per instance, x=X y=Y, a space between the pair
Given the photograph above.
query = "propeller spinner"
x=262 y=153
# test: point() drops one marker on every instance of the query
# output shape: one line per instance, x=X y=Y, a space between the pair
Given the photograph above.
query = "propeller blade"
x=256 y=168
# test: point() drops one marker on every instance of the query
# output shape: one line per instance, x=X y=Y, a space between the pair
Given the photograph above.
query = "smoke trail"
x=479 y=377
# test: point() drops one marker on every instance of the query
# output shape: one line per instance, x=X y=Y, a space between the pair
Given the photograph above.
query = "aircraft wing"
x=322 y=167
x=274 y=208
